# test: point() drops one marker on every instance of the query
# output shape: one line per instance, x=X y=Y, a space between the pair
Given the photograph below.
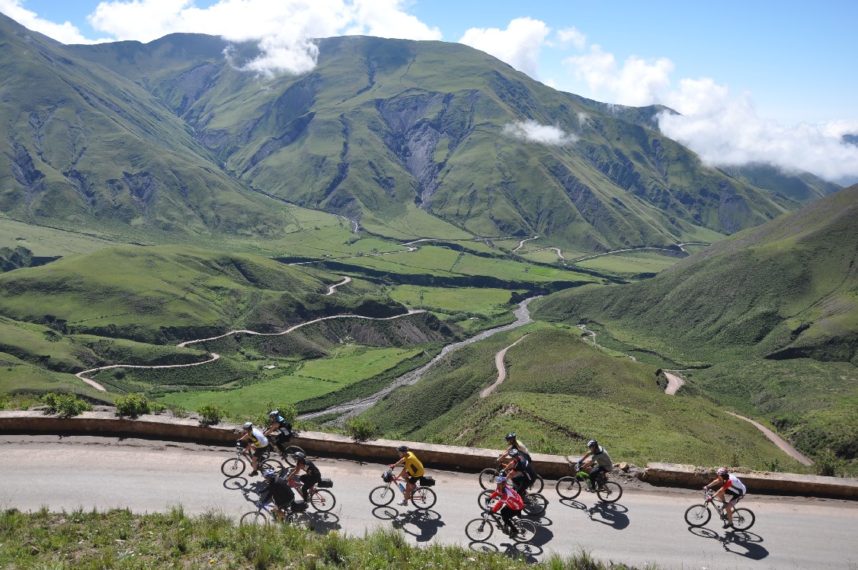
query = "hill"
x=770 y=315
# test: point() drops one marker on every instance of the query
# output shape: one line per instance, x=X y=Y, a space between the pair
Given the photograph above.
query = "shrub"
x=64 y=405
x=361 y=429
x=288 y=411
x=828 y=464
x=132 y=405
x=210 y=414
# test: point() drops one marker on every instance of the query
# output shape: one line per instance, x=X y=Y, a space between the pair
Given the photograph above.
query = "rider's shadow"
x=740 y=542
x=543 y=536
x=427 y=522
x=323 y=523
x=572 y=503
x=235 y=483
x=610 y=514
x=522 y=551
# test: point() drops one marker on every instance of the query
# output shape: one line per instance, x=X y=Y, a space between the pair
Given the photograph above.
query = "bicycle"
x=698 y=515
x=534 y=503
x=265 y=515
x=235 y=466
x=318 y=496
x=423 y=498
x=569 y=487
x=287 y=452
x=481 y=529
x=488 y=475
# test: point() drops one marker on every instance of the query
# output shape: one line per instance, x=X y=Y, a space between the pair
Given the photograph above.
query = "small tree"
x=132 y=405
x=64 y=405
x=361 y=429
x=210 y=414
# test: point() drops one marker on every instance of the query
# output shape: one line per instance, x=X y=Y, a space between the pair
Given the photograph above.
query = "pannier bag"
x=326 y=483
x=427 y=481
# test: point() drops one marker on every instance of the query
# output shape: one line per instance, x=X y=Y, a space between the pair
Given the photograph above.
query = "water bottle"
x=401 y=486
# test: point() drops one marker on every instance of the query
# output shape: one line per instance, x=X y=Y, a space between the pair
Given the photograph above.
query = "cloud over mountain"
x=531 y=131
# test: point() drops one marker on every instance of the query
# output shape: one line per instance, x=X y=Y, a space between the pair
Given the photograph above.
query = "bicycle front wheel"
x=525 y=530
x=381 y=496
x=487 y=478
x=610 y=492
x=323 y=500
x=253 y=518
x=568 y=487
x=232 y=467
x=534 y=504
x=697 y=515
x=483 y=500
x=423 y=498
x=271 y=464
x=537 y=485
x=479 y=530
x=743 y=519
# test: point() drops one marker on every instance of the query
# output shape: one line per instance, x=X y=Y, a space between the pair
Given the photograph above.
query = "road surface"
x=646 y=526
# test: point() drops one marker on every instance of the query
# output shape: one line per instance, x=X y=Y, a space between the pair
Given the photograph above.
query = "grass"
x=630 y=263
x=119 y=539
x=472 y=300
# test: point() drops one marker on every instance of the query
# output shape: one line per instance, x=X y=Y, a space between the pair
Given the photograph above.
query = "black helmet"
x=402 y=449
x=592 y=443
x=510 y=436
x=300 y=455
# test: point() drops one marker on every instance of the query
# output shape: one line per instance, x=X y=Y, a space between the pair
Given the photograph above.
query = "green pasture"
x=630 y=263
x=310 y=379
x=49 y=242
x=453 y=299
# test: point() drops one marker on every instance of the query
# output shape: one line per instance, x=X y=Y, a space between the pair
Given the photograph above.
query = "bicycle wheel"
x=253 y=518
x=483 y=500
x=610 y=492
x=381 y=496
x=272 y=464
x=525 y=530
x=537 y=485
x=323 y=500
x=232 y=467
x=423 y=498
x=487 y=477
x=534 y=504
x=568 y=487
x=697 y=515
x=479 y=530
x=743 y=519
x=289 y=454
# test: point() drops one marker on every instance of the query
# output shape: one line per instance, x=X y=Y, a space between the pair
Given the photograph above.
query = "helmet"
x=722 y=472
x=300 y=455
x=513 y=452
x=269 y=473
x=273 y=413
x=510 y=436
x=500 y=479
x=592 y=443
x=248 y=425
x=402 y=449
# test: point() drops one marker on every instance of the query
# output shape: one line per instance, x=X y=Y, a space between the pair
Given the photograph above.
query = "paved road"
x=646 y=526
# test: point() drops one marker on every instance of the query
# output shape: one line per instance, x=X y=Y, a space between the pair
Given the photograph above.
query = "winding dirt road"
x=782 y=444
x=674 y=382
x=499 y=364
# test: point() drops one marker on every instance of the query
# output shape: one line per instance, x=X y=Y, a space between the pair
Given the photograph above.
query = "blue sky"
x=755 y=80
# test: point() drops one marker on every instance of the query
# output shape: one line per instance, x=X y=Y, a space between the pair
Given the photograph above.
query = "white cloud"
x=572 y=36
x=636 y=82
x=519 y=44
x=284 y=28
x=65 y=32
x=532 y=131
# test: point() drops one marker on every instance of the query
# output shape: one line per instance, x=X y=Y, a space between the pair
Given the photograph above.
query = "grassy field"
x=303 y=381
x=630 y=263
x=119 y=539
x=451 y=300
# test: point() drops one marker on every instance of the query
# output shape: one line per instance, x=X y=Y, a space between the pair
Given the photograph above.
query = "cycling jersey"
x=602 y=459
x=734 y=486
x=311 y=469
x=506 y=498
x=412 y=465
x=519 y=446
x=257 y=438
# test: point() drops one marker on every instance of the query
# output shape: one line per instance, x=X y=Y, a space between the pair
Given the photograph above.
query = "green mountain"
x=800 y=186
x=171 y=137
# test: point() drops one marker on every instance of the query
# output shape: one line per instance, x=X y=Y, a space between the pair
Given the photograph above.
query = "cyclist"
x=513 y=443
x=276 y=488
x=509 y=503
x=602 y=460
x=255 y=445
x=520 y=471
x=730 y=485
x=279 y=427
x=311 y=475
x=412 y=471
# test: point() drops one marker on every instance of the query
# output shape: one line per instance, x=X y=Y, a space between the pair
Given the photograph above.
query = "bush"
x=288 y=411
x=210 y=415
x=827 y=464
x=64 y=405
x=361 y=429
x=132 y=405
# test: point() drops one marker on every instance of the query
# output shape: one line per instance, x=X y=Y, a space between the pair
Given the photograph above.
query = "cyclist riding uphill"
x=509 y=503
x=520 y=471
x=412 y=471
x=279 y=427
x=312 y=475
x=255 y=444
x=512 y=442
x=730 y=485
x=598 y=456
x=276 y=488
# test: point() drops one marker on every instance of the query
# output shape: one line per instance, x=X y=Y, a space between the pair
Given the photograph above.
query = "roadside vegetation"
x=119 y=539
